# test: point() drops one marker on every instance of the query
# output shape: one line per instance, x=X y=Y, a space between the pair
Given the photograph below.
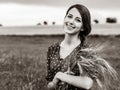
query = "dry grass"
x=23 y=59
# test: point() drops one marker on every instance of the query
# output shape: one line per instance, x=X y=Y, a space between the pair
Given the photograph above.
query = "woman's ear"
x=82 y=29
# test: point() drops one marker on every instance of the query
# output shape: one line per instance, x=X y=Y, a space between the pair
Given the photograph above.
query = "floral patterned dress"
x=82 y=62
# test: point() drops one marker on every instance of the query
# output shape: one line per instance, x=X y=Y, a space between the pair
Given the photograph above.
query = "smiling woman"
x=73 y=65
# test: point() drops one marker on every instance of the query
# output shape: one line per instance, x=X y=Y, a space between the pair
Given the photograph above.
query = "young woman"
x=71 y=64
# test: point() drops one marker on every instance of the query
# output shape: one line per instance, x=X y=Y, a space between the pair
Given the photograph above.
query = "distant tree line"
x=96 y=21
x=108 y=20
x=46 y=23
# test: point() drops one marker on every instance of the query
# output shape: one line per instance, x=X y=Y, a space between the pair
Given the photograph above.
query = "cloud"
x=14 y=14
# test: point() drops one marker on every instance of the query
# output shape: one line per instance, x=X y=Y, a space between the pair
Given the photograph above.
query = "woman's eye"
x=78 y=20
x=69 y=16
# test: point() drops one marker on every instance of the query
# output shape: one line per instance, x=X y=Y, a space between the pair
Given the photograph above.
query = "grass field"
x=23 y=59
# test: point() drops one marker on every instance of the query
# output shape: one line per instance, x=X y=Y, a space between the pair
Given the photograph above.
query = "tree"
x=53 y=23
x=96 y=21
x=111 y=20
x=45 y=23
x=38 y=23
x=1 y=25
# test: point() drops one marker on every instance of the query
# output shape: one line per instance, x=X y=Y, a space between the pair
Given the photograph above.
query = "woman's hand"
x=53 y=83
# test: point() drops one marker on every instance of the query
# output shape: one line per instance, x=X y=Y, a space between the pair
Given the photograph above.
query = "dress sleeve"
x=49 y=73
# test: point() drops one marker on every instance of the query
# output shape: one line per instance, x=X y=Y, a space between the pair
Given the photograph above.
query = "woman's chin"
x=71 y=32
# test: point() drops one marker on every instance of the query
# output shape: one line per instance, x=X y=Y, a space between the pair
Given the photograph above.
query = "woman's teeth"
x=70 y=26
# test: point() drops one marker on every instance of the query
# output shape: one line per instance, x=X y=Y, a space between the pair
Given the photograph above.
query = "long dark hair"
x=86 y=19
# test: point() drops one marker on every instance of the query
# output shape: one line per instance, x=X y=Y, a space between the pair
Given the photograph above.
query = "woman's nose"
x=71 y=22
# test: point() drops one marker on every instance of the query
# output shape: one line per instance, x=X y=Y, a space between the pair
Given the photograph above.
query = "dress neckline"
x=72 y=52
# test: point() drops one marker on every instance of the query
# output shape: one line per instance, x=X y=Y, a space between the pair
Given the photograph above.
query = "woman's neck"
x=69 y=43
x=71 y=40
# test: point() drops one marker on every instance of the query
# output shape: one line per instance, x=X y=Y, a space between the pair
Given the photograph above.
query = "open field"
x=23 y=59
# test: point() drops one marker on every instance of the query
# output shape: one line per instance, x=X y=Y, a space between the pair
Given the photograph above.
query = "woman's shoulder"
x=86 y=48
x=88 y=52
x=54 y=45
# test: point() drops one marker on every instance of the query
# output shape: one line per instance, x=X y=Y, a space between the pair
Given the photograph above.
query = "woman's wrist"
x=55 y=80
x=59 y=75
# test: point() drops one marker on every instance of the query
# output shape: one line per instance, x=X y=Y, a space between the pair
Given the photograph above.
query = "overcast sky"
x=32 y=11
x=114 y=4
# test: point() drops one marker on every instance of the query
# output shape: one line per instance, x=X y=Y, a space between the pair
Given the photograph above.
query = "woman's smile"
x=70 y=26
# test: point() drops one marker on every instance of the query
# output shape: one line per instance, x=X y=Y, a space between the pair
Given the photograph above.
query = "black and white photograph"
x=59 y=45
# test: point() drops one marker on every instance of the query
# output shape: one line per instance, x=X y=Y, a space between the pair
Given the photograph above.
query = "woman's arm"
x=78 y=81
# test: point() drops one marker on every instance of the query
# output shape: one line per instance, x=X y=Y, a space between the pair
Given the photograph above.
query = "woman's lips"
x=70 y=27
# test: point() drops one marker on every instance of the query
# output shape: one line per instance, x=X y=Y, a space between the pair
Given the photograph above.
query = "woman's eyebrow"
x=78 y=17
x=69 y=14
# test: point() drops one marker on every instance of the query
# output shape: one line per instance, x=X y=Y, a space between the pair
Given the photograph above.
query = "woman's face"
x=73 y=22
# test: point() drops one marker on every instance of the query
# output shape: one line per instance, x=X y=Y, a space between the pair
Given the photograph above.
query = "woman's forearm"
x=78 y=81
